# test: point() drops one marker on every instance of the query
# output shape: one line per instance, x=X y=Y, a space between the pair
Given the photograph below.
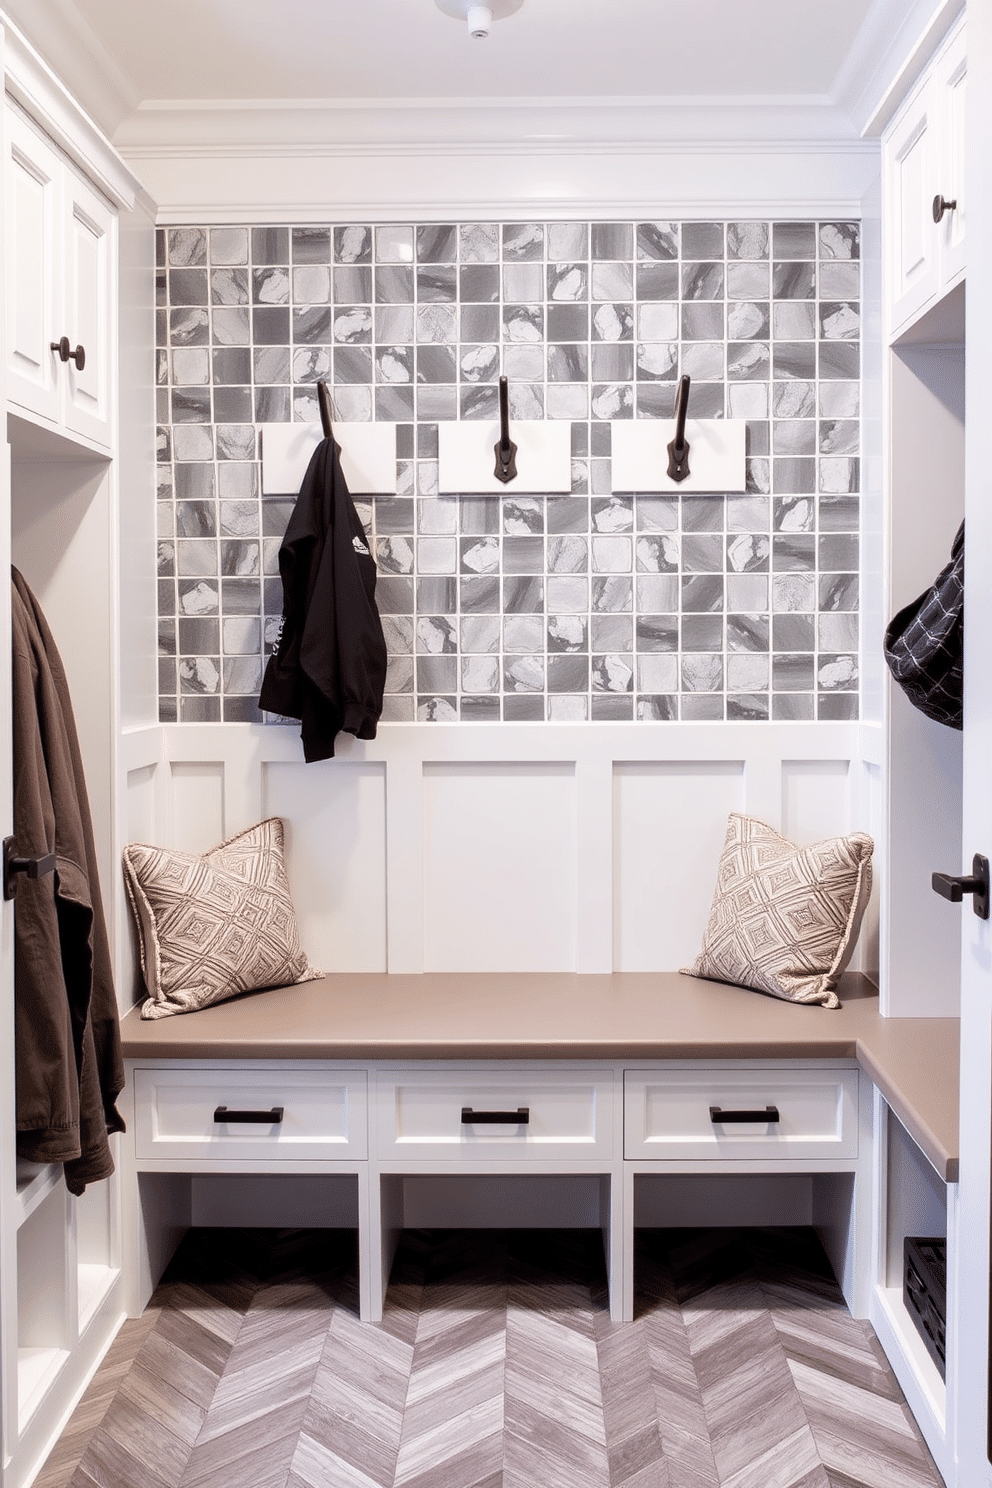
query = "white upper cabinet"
x=60 y=305
x=923 y=155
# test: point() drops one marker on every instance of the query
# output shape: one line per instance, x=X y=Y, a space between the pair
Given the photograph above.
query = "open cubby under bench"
x=618 y=1100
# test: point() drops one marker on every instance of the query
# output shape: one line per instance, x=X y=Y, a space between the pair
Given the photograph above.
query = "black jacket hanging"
x=924 y=644
x=329 y=665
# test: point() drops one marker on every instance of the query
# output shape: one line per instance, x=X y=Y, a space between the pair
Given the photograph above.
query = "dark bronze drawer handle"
x=721 y=1117
x=519 y=1117
x=261 y=1118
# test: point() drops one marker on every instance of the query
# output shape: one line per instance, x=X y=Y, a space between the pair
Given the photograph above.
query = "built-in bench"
x=624 y=1086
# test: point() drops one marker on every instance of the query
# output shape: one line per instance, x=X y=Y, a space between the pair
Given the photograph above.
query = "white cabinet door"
x=951 y=78
x=88 y=317
x=60 y=266
x=923 y=159
x=33 y=231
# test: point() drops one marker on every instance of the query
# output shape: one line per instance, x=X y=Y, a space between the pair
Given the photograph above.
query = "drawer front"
x=323 y=1114
x=667 y=1113
x=443 y=1115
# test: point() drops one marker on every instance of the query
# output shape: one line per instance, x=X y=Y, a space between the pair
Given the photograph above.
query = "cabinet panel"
x=923 y=155
x=667 y=1114
x=952 y=76
x=88 y=316
x=568 y=1116
x=323 y=1114
x=32 y=244
x=60 y=267
x=913 y=258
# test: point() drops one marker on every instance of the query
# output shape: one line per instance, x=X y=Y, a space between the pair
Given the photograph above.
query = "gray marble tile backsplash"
x=597 y=605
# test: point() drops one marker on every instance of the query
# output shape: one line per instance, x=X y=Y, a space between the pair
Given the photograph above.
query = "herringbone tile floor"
x=496 y=1366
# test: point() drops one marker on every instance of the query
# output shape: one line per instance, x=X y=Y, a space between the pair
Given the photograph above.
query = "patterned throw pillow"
x=213 y=924
x=784 y=919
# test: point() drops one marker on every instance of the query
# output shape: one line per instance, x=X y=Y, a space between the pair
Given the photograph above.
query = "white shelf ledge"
x=37 y=1370
x=93 y=1285
x=916 y=1372
x=35 y=1181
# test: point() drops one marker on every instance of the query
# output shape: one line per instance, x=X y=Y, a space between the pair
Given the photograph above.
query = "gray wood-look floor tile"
x=496 y=1365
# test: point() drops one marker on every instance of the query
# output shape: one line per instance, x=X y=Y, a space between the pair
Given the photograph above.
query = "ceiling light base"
x=480 y=18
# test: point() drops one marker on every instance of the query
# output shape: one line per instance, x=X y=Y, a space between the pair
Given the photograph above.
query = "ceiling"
x=119 y=56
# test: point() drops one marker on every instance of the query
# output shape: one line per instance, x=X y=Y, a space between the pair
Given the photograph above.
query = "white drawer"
x=441 y=1114
x=323 y=1113
x=667 y=1113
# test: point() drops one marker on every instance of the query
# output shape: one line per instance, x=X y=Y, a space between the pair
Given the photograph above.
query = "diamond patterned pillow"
x=213 y=924
x=784 y=919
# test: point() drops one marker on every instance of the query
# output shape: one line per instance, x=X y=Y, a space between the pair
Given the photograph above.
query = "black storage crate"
x=924 y=1291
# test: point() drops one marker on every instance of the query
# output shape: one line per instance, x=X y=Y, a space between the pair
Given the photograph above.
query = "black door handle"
x=940 y=206
x=260 y=1118
x=719 y=1117
x=519 y=1117
x=30 y=867
x=952 y=887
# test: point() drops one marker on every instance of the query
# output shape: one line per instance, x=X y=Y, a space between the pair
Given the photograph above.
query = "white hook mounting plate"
x=368 y=457
x=716 y=455
x=467 y=459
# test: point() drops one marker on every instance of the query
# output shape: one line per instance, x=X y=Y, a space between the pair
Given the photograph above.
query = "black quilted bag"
x=924 y=644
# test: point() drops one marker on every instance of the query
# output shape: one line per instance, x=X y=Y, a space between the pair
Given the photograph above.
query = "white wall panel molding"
x=478 y=182
x=549 y=847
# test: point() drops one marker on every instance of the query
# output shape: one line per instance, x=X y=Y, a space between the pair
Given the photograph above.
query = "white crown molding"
x=890 y=52
x=395 y=126
x=701 y=181
x=59 y=32
x=33 y=85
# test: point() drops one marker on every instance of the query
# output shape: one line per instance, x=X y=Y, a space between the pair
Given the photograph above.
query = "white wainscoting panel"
x=141 y=816
x=499 y=866
x=198 y=814
x=670 y=820
x=816 y=800
x=335 y=825
x=502 y=848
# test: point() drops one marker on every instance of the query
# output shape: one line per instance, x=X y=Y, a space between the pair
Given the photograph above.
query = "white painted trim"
x=513 y=184
x=35 y=87
x=904 y=38
x=394 y=125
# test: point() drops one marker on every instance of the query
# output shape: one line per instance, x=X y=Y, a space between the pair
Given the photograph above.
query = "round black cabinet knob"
x=940 y=206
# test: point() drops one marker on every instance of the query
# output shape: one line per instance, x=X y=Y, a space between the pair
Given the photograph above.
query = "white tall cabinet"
x=72 y=220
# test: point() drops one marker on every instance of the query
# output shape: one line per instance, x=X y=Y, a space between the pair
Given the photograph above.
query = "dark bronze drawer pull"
x=718 y=1116
x=261 y=1118
x=519 y=1117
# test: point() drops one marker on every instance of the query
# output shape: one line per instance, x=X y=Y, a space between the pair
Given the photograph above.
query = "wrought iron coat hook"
x=678 y=450
x=324 y=403
x=506 y=450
